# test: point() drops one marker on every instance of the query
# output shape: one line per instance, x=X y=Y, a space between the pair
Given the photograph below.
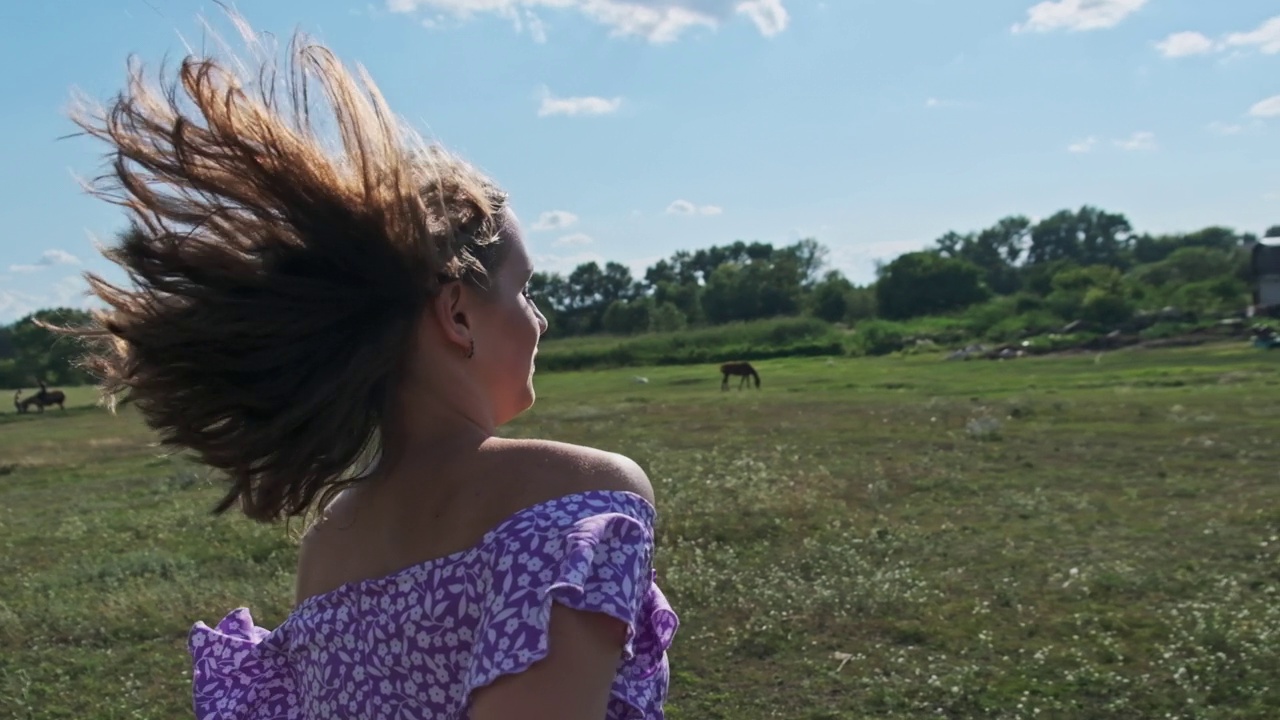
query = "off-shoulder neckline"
x=488 y=537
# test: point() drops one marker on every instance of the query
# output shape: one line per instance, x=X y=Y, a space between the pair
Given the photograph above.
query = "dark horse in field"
x=41 y=399
x=743 y=369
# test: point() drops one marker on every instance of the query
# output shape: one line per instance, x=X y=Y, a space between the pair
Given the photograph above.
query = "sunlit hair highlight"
x=276 y=272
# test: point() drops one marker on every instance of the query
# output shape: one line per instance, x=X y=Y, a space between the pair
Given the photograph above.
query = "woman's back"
x=420 y=641
x=437 y=507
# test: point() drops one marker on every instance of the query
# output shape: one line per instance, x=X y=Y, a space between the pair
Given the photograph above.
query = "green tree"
x=923 y=283
x=41 y=354
x=625 y=317
x=754 y=289
x=1088 y=236
x=829 y=299
x=860 y=303
x=666 y=317
x=996 y=250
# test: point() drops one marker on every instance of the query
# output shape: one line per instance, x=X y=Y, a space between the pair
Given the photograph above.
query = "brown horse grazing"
x=738 y=368
x=41 y=400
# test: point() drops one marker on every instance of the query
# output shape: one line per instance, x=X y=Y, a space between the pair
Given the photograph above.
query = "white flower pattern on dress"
x=418 y=642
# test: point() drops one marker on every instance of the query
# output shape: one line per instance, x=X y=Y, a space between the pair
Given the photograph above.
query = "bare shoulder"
x=545 y=469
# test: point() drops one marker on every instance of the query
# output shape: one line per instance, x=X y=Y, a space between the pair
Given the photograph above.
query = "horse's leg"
x=724 y=383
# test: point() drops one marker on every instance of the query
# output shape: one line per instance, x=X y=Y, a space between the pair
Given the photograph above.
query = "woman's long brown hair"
x=275 y=274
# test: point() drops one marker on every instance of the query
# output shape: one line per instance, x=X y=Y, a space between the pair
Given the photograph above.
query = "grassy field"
x=1061 y=537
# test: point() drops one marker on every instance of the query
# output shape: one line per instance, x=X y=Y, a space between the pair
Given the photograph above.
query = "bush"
x=1022 y=326
x=1105 y=307
x=880 y=337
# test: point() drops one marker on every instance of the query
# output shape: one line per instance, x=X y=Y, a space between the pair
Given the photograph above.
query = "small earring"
x=471 y=351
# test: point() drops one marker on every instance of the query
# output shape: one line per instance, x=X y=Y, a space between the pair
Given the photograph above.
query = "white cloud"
x=47 y=258
x=554 y=220
x=564 y=264
x=537 y=28
x=1266 y=108
x=1222 y=128
x=574 y=239
x=1077 y=15
x=577 y=105
x=15 y=304
x=1266 y=37
x=1138 y=141
x=58 y=257
x=1142 y=140
x=684 y=207
x=70 y=291
x=1083 y=146
x=1182 y=44
x=658 y=21
x=768 y=15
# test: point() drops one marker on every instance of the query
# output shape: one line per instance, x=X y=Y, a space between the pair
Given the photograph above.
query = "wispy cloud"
x=47 y=259
x=1182 y=44
x=1268 y=108
x=15 y=304
x=769 y=16
x=571 y=106
x=70 y=291
x=1266 y=37
x=1077 y=15
x=1221 y=128
x=554 y=220
x=684 y=207
x=658 y=21
x=564 y=264
x=1142 y=140
x=575 y=239
x=934 y=103
x=1083 y=146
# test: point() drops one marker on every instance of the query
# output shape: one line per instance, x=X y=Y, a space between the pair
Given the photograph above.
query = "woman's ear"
x=449 y=309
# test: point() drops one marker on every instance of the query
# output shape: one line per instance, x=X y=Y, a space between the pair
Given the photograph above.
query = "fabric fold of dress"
x=418 y=642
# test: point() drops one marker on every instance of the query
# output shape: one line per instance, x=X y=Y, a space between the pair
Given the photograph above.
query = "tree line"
x=1086 y=264
x=1016 y=278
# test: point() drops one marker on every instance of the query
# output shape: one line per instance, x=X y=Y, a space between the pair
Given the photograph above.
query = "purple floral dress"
x=418 y=642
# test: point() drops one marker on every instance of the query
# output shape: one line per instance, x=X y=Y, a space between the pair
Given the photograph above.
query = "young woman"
x=340 y=328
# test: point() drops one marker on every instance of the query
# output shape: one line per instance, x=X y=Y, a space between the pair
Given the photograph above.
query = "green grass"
x=1073 y=536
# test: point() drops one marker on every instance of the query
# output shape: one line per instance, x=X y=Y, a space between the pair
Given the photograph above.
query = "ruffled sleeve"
x=600 y=563
x=240 y=673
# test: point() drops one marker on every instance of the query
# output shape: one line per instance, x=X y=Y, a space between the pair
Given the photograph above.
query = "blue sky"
x=628 y=129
